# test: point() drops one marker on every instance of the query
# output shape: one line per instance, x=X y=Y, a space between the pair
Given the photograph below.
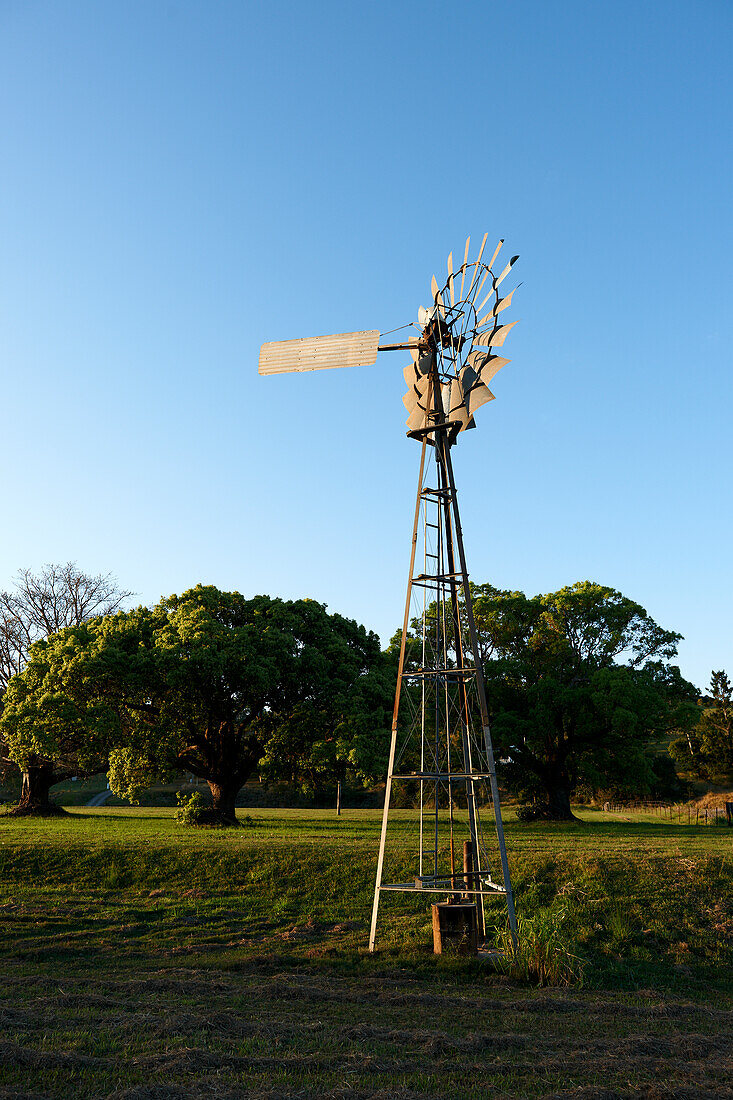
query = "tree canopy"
x=201 y=682
x=579 y=683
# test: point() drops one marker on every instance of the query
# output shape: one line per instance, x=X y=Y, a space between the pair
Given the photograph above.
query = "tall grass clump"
x=543 y=955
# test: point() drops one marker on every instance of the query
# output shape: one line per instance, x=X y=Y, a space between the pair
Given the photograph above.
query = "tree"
x=44 y=603
x=58 y=597
x=707 y=748
x=199 y=682
x=579 y=684
x=343 y=734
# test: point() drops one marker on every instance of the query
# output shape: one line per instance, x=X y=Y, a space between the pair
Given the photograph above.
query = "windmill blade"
x=463 y=269
x=437 y=297
x=506 y=270
x=418 y=400
x=419 y=409
x=485 y=366
x=415 y=379
x=410 y=374
x=477 y=397
x=496 y=253
x=343 y=349
x=418 y=418
x=484 y=277
x=503 y=303
x=478 y=261
x=486 y=273
x=418 y=385
x=482 y=303
x=495 y=338
x=496 y=282
x=466 y=396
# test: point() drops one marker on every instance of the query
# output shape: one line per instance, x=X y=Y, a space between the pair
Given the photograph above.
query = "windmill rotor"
x=455 y=357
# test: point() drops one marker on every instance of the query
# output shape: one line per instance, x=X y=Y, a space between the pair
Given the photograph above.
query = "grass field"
x=144 y=961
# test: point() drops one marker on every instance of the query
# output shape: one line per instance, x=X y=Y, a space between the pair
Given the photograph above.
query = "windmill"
x=441 y=750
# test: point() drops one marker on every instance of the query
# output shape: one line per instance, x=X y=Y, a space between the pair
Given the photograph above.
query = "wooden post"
x=338 y=798
x=455 y=928
x=468 y=875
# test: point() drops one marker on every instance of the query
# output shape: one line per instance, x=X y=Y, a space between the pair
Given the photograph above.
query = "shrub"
x=192 y=809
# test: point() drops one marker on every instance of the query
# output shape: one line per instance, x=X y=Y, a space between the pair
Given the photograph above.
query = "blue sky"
x=183 y=181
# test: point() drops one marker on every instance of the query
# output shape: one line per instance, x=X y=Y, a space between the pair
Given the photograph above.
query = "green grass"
x=140 y=957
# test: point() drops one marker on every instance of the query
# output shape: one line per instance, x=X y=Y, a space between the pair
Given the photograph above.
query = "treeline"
x=583 y=693
x=208 y=682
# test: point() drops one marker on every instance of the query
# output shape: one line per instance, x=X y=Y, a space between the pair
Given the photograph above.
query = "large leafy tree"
x=41 y=604
x=706 y=749
x=200 y=682
x=62 y=713
x=579 y=685
x=343 y=734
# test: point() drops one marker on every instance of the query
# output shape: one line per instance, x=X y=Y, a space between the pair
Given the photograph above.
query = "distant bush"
x=535 y=811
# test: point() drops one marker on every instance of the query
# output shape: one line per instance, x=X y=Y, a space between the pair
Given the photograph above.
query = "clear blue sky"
x=183 y=181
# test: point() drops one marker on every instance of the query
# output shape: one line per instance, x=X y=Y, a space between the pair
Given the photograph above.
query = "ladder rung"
x=437 y=578
x=439 y=673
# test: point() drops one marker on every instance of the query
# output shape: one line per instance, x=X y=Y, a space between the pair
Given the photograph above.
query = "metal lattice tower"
x=441 y=742
x=443 y=745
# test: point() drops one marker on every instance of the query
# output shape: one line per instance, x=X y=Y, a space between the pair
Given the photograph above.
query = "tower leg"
x=449 y=501
x=396 y=710
x=481 y=687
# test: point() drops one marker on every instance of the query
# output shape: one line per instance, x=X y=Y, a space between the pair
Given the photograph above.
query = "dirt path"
x=99 y=799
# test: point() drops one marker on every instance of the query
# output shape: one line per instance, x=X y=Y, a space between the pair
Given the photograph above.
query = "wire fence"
x=677 y=813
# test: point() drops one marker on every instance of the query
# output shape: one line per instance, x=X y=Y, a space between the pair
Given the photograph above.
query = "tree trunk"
x=34 y=800
x=558 y=802
x=223 y=795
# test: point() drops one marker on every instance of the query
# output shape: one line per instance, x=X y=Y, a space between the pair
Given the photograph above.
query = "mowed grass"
x=142 y=960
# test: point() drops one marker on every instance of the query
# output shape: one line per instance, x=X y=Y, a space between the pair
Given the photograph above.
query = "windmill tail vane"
x=440 y=742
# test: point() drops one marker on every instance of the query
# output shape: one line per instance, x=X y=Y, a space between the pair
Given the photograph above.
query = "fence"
x=681 y=813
